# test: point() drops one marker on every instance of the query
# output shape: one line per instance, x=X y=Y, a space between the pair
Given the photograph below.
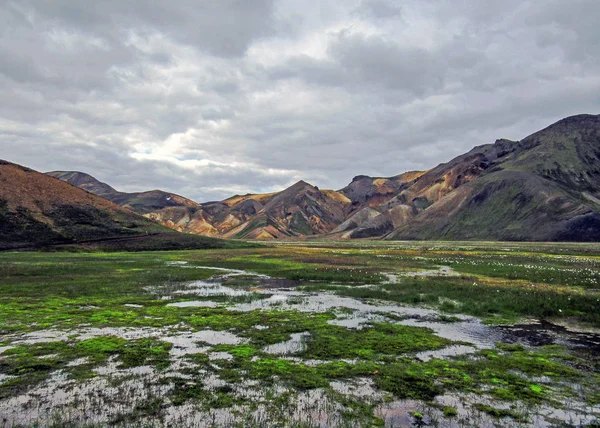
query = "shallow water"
x=194 y=304
x=294 y=345
x=93 y=400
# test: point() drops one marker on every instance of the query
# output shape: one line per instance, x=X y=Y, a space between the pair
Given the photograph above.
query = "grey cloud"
x=209 y=98
x=372 y=59
x=379 y=9
x=223 y=27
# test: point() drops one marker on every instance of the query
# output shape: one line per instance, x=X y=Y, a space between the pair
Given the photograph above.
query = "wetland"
x=303 y=334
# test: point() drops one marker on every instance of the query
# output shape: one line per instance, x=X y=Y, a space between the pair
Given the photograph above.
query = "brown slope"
x=430 y=187
x=185 y=219
x=141 y=202
x=356 y=219
x=209 y=219
x=261 y=198
x=299 y=210
x=36 y=209
x=365 y=191
x=84 y=181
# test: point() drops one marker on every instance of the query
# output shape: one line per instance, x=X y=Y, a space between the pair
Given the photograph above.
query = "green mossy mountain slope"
x=543 y=188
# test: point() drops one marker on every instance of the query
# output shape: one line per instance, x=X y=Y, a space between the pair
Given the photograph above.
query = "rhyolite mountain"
x=544 y=187
x=37 y=210
x=299 y=210
x=141 y=202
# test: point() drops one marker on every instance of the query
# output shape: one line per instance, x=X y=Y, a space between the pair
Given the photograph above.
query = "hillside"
x=140 y=202
x=365 y=191
x=39 y=210
x=543 y=188
x=299 y=210
x=428 y=188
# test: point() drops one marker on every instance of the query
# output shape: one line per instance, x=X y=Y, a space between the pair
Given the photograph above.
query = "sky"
x=210 y=98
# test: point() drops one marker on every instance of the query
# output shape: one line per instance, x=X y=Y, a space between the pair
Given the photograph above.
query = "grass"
x=493 y=301
x=72 y=292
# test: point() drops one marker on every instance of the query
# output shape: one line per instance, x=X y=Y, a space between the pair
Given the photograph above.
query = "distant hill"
x=299 y=210
x=39 y=210
x=365 y=191
x=141 y=202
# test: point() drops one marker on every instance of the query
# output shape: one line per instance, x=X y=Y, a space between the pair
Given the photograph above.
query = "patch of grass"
x=147 y=351
x=450 y=411
x=237 y=351
x=195 y=391
x=33 y=364
x=499 y=413
x=502 y=374
x=371 y=342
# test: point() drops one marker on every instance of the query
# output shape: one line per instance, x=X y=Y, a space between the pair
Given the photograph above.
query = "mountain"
x=39 y=210
x=140 y=202
x=417 y=195
x=299 y=210
x=365 y=191
x=545 y=187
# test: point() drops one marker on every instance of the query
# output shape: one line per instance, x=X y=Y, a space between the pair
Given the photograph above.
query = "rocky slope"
x=299 y=210
x=365 y=191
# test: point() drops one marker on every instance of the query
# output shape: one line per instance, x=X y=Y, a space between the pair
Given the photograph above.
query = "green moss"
x=405 y=382
x=99 y=348
x=450 y=411
x=238 y=351
x=332 y=342
x=146 y=352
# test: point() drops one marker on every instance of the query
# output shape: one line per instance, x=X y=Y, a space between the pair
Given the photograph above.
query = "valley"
x=285 y=214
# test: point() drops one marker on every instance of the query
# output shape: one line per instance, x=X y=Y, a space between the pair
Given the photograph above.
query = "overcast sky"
x=207 y=98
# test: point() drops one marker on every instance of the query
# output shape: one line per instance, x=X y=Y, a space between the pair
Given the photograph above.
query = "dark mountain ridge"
x=544 y=187
x=39 y=211
x=140 y=202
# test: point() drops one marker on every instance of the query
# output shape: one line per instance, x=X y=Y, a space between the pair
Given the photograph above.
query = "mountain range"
x=37 y=210
x=141 y=202
x=545 y=187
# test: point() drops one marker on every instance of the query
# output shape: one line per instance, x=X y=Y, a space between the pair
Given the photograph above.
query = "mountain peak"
x=300 y=184
x=578 y=121
x=360 y=177
x=84 y=181
x=140 y=202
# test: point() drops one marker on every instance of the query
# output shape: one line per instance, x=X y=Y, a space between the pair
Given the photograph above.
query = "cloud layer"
x=211 y=98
